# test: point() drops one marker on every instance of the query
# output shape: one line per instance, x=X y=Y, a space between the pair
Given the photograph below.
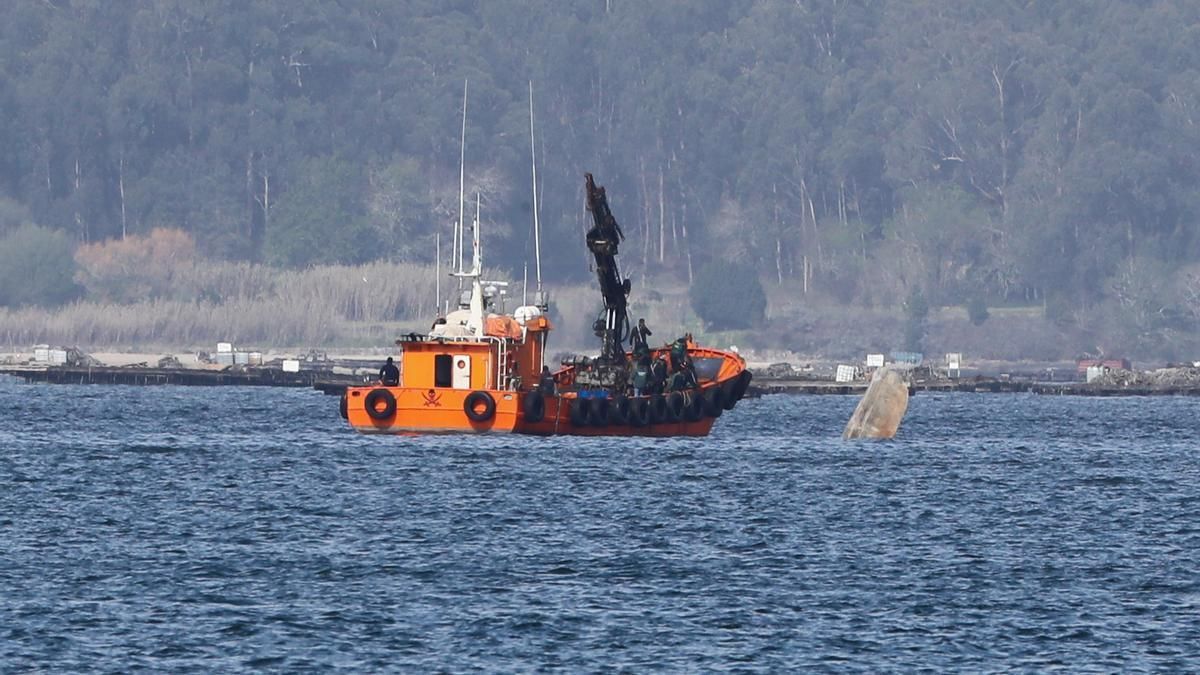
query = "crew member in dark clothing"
x=514 y=382
x=658 y=375
x=389 y=374
x=689 y=373
x=677 y=381
x=641 y=376
x=639 y=334
x=678 y=353
x=546 y=381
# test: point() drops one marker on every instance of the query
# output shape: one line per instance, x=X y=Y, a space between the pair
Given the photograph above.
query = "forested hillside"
x=855 y=151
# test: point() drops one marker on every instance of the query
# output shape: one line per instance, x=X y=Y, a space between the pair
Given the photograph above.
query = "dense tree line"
x=867 y=150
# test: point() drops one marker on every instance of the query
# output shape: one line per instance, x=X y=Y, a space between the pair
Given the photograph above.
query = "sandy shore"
x=758 y=361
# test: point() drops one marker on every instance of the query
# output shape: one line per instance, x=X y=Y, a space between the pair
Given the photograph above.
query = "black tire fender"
x=693 y=406
x=727 y=389
x=639 y=411
x=714 y=402
x=674 y=406
x=373 y=398
x=658 y=409
x=618 y=411
x=598 y=415
x=343 y=407
x=535 y=406
x=736 y=389
x=580 y=411
x=743 y=384
x=475 y=398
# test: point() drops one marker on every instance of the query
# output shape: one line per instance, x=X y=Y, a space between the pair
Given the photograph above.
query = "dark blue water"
x=230 y=529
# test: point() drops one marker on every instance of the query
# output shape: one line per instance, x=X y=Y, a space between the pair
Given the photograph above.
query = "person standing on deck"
x=389 y=374
x=638 y=337
x=641 y=375
x=678 y=353
x=658 y=375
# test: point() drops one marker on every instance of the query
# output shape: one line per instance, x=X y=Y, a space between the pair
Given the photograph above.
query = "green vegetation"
x=36 y=268
x=977 y=310
x=728 y=295
x=916 y=314
x=12 y=215
x=854 y=152
x=322 y=220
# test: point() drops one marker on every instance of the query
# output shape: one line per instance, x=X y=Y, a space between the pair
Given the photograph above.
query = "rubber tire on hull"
x=693 y=406
x=736 y=389
x=639 y=411
x=598 y=416
x=535 y=406
x=618 y=411
x=375 y=396
x=658 y=409
x=475 y=398
x=580 y=411
x=743 y=384
x=343 y=407
x=674 y=406
x=727 y=388
x=714 y=402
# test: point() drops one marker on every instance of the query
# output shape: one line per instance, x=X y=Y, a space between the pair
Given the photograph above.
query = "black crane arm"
x=603 y=240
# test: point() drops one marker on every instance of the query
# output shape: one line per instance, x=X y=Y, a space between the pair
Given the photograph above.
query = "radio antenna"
x=462 y=178
x=537 y=233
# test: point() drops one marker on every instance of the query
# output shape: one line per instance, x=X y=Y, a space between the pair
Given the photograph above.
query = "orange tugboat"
x=477 y=371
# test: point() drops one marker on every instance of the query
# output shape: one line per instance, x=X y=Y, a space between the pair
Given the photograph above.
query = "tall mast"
x=477 y=317
x=437 y=273
x=537 y=237
x=477 y=259
x=462 y=180
x=450 y=264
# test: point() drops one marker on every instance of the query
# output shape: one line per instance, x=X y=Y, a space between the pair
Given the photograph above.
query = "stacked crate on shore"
x=224 y=354
x=227 y=355
x=49 y=355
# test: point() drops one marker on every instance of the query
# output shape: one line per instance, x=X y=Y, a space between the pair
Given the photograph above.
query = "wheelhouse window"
x=443 y=369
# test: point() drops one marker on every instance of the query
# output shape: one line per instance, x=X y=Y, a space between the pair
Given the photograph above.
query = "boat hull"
x=409 y=410
x=412 y=416
x=425 y=411
x=558 y=423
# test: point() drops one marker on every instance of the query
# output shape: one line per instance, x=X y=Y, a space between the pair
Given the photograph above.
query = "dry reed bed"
x=251 y=304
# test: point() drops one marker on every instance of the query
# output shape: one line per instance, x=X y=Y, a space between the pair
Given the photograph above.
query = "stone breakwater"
x=1175 y=381
x=1174 y=377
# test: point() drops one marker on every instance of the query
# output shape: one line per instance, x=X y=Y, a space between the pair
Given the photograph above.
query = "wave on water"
x=170 y=528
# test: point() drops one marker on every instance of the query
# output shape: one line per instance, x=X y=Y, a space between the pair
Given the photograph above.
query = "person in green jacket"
x=641 y=375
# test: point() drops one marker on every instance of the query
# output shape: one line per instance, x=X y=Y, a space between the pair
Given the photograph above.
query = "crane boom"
x=603 y=241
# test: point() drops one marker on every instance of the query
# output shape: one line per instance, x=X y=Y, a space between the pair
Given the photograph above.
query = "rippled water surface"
x=228 y=529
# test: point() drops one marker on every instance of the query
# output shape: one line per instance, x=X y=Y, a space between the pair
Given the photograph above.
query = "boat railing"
x=503 y=373
x=420 y=337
